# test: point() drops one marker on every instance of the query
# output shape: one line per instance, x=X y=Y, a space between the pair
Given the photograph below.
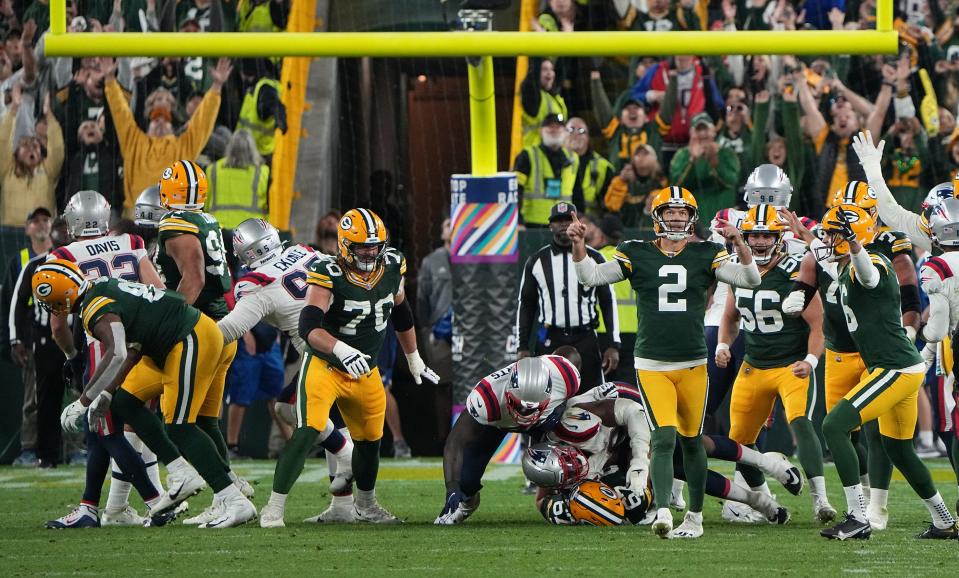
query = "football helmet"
x=183 y=187
x=555 y=466
x=944 y=223
x=857 y=193
x=58 y=285
x=833 y=225
x=256 y=243
x=674 y=198
x=596 y=504
x=362 y=228
x=937 y=194
x=768 y=184
x=528 y=393
x=764 y=219
x=147 y=211
x=87 y=214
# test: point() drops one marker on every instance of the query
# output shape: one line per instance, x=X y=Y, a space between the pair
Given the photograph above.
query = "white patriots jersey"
x=487 y=402
x=116 y=256
x=585 y=431
x=275 y=293
x=937 y=275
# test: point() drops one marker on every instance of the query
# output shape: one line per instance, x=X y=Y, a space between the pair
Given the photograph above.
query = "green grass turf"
x=506 y=537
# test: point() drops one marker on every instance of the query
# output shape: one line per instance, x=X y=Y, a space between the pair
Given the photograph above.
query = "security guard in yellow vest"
x=262 y=111
x=539 y=97
x=595 y=171
x=607 y=234
x=238 y=188
x=260 y=16
x=546 y=173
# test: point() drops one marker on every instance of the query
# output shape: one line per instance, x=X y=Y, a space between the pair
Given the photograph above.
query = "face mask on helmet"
x=672 y=227
x=555 y=466
x=365 y=256
x=763 y=252
x=525 y=413
x=834 y=247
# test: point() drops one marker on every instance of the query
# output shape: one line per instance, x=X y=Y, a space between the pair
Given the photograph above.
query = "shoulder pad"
x=628 y=392
x=939 y=267
x=483 y=404
x=564 y=373
x=789 y=265
x=62 y=253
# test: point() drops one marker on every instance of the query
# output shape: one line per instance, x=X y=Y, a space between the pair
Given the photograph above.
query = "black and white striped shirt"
x=550 y=293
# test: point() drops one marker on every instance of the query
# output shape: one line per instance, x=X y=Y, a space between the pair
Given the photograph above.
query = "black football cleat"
x=934 y=533
x=849 y=529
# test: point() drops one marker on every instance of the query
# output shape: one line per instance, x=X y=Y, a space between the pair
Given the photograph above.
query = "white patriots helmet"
x=147 y=211
x=768 y=184
x=256 y=243
x=87 y=214
x=555 y=466
x=529 y=389
x=937 y=194
x=944 y=223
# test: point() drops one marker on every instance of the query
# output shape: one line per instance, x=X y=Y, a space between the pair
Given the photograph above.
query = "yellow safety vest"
x=548 y=104
x=24 y=259
x=237 y=194
x=625 y=301
x=538 y=196
x=256 y=18
x=263 y=131
x=593 y=178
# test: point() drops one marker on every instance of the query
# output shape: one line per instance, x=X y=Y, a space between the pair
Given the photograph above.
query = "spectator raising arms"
x=145 y=154
x=539 y=95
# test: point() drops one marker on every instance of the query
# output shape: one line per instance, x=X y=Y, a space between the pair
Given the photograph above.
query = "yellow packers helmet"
x=596 y=504
x=857 y=193
x=361 y=228
x=763 y=219
x=183 y=187
x=58 y=285
x=834 y=225
x=675 y=198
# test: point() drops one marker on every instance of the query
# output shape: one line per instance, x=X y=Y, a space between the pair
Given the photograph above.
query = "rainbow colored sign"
x=485 y=215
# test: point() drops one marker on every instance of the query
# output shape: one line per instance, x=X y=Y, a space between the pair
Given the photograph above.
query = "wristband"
x=812 y=360
x=911 y=333
x=722 y=347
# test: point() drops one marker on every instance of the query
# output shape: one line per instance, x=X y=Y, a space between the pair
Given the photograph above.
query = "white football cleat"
x=676 y=500
x=126 y=516
x=334 y=514
x=782 y=470
x=212 y=512
x=739 y=513
x=271 y=516
x=374 y=514
x=181 y=485
x=878 y=517
x=663 y=524
x=692 y=526
x=822 y=511
x=774 y=512
x=235 y=510
x=245 y=487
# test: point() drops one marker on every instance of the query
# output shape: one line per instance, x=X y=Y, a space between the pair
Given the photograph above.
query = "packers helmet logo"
x=44 y=289
x=347 y=223
x=851 y=216
x=608 y=492
x=871 y=193
x=167 y=173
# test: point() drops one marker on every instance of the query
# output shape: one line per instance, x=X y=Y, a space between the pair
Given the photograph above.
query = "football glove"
x=97 y=413
x=870 y=155
x=73 y=369
x=843 y=226
x=451 y=514
x=71 y=419
x=419 y=370
x=355 y=361
x=794 y=302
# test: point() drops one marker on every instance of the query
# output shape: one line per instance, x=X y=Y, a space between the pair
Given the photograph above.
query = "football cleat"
x=271 y=516
x=334 y=514
x=125 y=516
x=160 y=520
x=878 y=517
x=245 y=487
x=849 y=529
x=234 y=510
x=785 y=473
x=739 y=513
x=83 y=516
x=663 y=524
x=934 y=533
x=692 y=526
x=676 y=500
x=181 y=484
x=211 y=513
x=401 y=450
x=822 y=510
x=775 y=514
x=342 y=483
x=374 y=514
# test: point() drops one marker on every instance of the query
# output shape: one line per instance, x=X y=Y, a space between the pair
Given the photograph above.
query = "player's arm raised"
x=742 y=274
x=587 y=271
x=405 y=328
x=728 y=330
x=815 y=343
x=187 y=252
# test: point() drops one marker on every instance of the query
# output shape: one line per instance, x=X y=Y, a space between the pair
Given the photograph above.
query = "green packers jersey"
x=772 y=339
x=359 y=309
x=217 y=276
x=834 y=327
x=671 y=294
x=875 y=320
x=889 y=244
x=154 y=319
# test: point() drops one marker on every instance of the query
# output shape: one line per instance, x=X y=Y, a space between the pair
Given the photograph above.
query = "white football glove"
x=929 y=355
x=419 y=370
x=794 y=302
x=97 y=413
x=355 y=361
x=71 y=419
x=636 y=480
x=870 y=155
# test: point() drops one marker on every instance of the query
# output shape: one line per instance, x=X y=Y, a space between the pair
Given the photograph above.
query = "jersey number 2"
x=677 y=273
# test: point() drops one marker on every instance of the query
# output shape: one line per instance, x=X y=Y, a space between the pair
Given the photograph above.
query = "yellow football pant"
x=675 y=398
x=844 y=371
x=362 y=402
x=891 y=396
x=754 y=395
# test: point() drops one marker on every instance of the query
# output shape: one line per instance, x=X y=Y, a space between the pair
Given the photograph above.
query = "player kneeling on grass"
x=134 y=323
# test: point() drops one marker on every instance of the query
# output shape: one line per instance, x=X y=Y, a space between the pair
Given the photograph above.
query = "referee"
x=550 y=294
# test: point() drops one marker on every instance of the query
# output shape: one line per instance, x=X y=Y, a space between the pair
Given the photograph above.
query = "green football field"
x=506 y=537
